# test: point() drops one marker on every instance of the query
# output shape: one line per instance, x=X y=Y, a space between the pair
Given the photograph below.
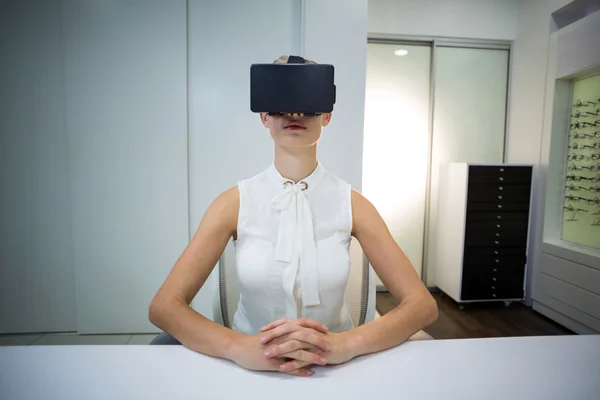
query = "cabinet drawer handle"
x=496 y=252
x=499 y=205
x=499 y=216
x=493 y=294
x=500 y=188
x=497 y=225
x=494 y=287
x=497 y=234
x=496 y=242
x=499 y=197
x=495 y=270
x=496 y=260
x=500 y=178
x=501 y=169
x=494 y=279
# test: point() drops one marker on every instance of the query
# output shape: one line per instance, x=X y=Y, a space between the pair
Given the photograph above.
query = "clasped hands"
x=292 y=346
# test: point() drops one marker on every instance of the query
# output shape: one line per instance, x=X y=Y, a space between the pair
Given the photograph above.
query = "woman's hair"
x=284 y=60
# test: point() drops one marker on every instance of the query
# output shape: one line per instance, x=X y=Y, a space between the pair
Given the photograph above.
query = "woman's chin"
x=300 y=140
x=296 y=143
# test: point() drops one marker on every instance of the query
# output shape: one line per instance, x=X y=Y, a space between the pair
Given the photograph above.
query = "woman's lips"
x=295 y=126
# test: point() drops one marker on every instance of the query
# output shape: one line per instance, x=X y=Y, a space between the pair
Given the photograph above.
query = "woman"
x=292 y=226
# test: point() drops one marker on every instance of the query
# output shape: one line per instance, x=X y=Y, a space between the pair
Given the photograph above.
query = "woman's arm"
x=417 y=308
x=170 y=310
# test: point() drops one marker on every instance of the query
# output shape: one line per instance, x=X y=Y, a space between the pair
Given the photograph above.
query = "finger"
x=287 y=347
x=307 y=357
x=279 y=331
x=311 y=338
x=310 y=323
x=293 y=365
x=301 y=372
x=282 y=348
x=275 y=324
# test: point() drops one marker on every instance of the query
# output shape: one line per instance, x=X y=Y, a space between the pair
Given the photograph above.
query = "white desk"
x=566 y=367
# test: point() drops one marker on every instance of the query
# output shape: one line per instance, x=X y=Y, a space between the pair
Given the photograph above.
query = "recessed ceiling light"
x=401 y=52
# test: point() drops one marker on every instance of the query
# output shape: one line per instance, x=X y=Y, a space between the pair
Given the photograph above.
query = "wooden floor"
x=482 y=320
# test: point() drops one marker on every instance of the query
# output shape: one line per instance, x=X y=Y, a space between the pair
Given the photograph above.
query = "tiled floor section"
x=54 y=339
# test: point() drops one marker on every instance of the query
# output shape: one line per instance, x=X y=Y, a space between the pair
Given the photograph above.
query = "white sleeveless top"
x=293 y=250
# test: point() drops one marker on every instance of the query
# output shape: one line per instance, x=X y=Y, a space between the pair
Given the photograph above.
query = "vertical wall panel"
x=126 y=108
x=36 y=272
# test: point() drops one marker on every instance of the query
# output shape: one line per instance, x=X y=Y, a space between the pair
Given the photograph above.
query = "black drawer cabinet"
x=498 y=206
x=497 y=188
x=499 y=192
x=499 y=174
x=498 y=215
x=495 y=202
x=479 y=292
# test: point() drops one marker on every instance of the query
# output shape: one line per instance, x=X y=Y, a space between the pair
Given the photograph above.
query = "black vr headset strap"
x=296 y=60
x=301 y=60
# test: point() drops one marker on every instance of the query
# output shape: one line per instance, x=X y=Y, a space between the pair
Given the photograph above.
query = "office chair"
x=360 y=293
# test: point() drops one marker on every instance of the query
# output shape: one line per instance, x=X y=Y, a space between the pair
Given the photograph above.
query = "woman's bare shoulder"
x=224 y=210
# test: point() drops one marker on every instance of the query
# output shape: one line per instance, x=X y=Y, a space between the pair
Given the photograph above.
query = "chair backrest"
x=360 y=292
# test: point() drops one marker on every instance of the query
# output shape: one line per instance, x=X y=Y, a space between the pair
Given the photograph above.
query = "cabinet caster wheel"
x=461 y=307
x=507 y=303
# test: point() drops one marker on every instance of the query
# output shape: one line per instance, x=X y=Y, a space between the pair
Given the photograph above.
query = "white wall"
x=126 y=118
x=529 y=64
x=36 y=271
x=473 y=19
x=335 y=32
x=227 y=141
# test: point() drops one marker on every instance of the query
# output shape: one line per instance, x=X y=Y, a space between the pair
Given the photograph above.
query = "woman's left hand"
x=284 y=345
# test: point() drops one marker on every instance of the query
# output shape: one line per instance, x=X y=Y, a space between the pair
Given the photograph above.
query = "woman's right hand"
x=248 y=352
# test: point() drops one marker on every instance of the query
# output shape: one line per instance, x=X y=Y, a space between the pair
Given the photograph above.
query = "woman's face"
x=295 y=130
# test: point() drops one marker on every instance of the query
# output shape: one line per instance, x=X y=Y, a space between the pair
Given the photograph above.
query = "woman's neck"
x=296 y=165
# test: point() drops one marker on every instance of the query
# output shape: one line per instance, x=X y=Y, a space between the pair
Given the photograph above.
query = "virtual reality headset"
x=295 y=87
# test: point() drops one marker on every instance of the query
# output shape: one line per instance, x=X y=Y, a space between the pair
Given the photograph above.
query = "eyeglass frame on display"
x=580 y=103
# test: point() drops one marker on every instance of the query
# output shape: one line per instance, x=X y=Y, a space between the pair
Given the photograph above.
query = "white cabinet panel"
x=567 y=293
x=569 y=316
x=579 y=275
x=126 y=117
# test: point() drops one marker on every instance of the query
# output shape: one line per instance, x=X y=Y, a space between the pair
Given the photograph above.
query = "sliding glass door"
x=396 y=140
x=428 y=104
